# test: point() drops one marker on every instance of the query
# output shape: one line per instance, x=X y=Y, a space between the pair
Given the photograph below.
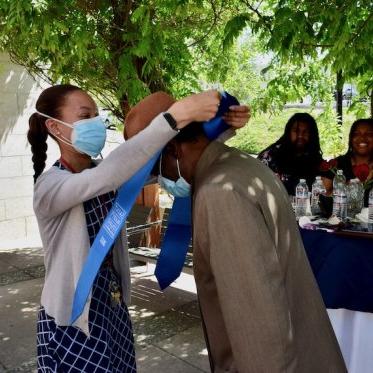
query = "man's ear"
x=172 y=148
x=168 y=150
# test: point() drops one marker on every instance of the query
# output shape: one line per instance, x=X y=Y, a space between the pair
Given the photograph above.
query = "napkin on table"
x=363 y=215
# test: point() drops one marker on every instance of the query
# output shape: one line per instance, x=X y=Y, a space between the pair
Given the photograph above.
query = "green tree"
x=118 y=50
x=335 y=35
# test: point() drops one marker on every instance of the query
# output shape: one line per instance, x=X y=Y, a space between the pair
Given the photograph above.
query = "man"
x=259 y=301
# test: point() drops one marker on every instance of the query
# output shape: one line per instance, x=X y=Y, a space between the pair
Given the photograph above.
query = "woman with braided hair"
x=37 y=137
x=71 y=201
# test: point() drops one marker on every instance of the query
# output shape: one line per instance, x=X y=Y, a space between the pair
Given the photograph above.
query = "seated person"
x=260 y=304
x=296 y=154
x=358 y=160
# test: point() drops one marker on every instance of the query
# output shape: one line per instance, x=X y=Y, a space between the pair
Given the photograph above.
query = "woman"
x=296 y=154
x=358 y=160
x=71 y=200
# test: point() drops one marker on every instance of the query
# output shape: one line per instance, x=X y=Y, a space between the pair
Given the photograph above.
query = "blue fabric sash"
x=178 y=234
x=179 y=231
x=109 y=231
x=175 y=242
x=214 y=127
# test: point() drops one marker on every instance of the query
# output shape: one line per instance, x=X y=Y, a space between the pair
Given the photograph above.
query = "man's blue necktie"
x=179 y=229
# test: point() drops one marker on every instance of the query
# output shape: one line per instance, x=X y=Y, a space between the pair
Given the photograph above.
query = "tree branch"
x=32 y=69
x=361 y=29
x=261 y=17
x=216 y=17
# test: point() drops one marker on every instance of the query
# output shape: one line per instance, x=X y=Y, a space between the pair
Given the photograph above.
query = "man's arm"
x=249 y=279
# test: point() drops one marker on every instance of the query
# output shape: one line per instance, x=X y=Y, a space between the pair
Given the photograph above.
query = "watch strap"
x=170 y=120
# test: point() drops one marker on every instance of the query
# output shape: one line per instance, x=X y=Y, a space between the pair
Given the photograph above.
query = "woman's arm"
x=54 y=195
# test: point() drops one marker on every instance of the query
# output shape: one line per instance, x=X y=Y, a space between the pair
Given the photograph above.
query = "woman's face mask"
x=88 y=135
x=178 y=188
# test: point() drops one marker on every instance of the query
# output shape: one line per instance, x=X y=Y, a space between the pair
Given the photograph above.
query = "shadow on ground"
x=166 y=324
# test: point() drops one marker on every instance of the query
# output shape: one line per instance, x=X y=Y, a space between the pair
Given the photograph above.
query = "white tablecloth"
x=354 y=331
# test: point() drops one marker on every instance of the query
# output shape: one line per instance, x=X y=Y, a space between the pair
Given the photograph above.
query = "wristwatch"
x=171 y=121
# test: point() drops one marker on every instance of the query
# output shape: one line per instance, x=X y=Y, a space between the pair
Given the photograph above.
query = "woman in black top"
x=358 y=160
x=297 y=153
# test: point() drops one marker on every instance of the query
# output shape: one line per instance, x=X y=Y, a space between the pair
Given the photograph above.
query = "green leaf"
x=233 y=29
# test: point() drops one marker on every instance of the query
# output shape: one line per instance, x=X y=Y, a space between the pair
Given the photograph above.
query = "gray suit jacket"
x=261 y=306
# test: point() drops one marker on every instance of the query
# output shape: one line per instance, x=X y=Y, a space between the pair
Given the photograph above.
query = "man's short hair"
x=191 y=132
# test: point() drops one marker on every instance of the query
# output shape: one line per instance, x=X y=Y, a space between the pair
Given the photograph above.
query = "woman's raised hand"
x=199 y=107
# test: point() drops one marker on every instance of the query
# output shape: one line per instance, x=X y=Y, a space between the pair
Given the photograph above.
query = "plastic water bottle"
x=340 y=200
x=370 y=207
x=301 y=198
x=355 y=196
x=317 y=189
x=339 y=178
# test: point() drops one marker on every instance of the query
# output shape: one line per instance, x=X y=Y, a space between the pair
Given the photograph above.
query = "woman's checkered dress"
x=110 y=347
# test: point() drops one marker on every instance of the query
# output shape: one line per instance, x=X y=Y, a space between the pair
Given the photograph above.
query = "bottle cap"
x=302 y=180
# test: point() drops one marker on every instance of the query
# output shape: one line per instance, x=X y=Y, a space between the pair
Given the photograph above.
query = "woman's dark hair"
x=368 y=121
x=49 y=102
x=313 y=146
x=312 y=155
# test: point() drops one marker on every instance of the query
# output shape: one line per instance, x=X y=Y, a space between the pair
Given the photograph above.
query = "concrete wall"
x=18 y=94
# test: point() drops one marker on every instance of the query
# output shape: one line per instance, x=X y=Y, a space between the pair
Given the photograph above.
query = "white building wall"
x=18 y=94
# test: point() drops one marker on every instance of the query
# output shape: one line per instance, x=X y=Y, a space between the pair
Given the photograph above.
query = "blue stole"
x=107 y=234
x=177 y=236
x=179 y=228
x=216 y=126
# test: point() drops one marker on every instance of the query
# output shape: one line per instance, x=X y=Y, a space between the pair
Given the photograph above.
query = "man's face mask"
x=179 y=188
x=88 y=135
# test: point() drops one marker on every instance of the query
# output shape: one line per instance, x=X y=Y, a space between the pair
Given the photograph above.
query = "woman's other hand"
x=237 y=116
x=199 y=107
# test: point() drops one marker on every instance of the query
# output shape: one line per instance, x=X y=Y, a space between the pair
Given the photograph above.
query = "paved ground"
x=167 y=325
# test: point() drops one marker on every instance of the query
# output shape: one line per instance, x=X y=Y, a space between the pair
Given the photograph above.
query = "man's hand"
x=199 y=107
x=237 y=116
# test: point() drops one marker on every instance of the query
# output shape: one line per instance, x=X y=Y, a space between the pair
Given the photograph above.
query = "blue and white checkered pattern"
x=110 y=347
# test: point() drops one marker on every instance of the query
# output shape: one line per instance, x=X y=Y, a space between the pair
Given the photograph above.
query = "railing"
x=136 y=228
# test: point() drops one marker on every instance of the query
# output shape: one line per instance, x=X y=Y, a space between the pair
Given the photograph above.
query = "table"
x=354 y=331
x=343 y=268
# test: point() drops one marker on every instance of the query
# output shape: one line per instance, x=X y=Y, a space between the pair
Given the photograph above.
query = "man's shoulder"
x=234 y=171
x=227 y=173
x=226 y=154
x=234 y=162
